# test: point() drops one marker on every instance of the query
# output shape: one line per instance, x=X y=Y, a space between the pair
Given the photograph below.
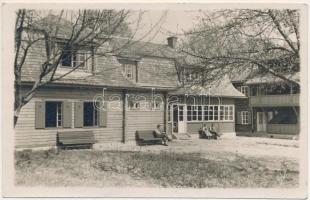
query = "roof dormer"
x=129 y=68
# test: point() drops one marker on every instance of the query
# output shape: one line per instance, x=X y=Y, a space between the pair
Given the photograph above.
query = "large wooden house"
x=114 y=95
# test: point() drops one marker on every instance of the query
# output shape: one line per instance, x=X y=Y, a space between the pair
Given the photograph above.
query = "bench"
x=147 y=137
x=203 y=136
x=75 y=139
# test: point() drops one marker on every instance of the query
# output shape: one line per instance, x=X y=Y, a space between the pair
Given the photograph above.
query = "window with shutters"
x=245 y=117
x=90 y=114
x=53 y=114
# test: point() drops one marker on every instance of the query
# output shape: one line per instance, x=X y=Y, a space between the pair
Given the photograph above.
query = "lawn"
x=149 y=169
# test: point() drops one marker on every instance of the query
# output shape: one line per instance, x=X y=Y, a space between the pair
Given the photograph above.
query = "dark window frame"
x=94 y=122
x=55 y=121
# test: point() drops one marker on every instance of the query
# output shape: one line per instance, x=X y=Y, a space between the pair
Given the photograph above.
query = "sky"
x=173 y=23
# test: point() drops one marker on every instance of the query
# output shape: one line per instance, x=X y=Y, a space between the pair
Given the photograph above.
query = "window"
x=53 y=114
x=79 y=59
x=90 y=114
x=254 y=91
x=128 y=70
x=75 y=58
x=187 y=74
x=210 y=113
x=244 y=117
x=189 y=113
x=157 y=105
x=134 y=105
x=66 y=59
x=216 y=109
x=227 y=113
x=169 y=113
x=199 y=113
x=190 y=75
x=221 y=113
x=245 y=90
x=194 y=113
x=206 y=113
x=181 y=113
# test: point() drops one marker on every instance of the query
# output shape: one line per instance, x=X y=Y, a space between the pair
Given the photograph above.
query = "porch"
x=276 y=120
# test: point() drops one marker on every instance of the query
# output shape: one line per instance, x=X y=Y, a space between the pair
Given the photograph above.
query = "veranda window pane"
x=199 y=113
x=211 y=113
x=189 y=113
x=216 y=117
x=221 y=112
x=206 y=113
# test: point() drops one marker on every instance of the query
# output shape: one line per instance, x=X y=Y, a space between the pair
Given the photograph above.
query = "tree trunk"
x=17 y=99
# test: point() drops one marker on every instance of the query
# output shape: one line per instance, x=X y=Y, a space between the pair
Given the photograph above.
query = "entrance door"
x=179 y=118
x=261 y=122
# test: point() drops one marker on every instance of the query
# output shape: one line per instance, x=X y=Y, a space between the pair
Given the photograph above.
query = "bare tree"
x=235 y=40
x=58 y=33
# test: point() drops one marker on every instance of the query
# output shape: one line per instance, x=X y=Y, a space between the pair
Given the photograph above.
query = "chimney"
x=172 y=41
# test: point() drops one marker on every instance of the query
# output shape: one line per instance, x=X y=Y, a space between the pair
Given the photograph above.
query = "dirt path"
x=246 y=146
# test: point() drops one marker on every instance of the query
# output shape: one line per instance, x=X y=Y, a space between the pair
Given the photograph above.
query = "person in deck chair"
x=213 y=131
x=161 y=134
x=206 y=132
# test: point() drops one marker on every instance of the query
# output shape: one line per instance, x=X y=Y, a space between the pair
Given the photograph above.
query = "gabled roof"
x=219 y=88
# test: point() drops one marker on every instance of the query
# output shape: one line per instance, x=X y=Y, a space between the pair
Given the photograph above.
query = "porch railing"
x=283 y=128
x=275 y=100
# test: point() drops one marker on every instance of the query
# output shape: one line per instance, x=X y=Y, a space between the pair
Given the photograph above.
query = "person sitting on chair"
x=206 y=132
x=214 y=132
x=161 y=134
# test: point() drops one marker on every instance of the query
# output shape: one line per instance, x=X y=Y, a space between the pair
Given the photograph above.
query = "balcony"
x=274 y=100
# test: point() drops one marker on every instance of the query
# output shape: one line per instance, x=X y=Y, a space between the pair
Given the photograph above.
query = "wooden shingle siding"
x=103 y=114
x=27 y=136
x=143 y=120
